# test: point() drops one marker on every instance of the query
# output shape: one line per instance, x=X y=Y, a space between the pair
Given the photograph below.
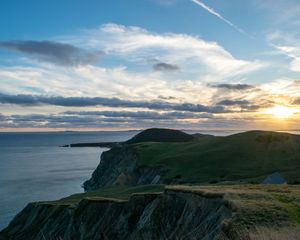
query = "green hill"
x=249 y=155
x=161 y=135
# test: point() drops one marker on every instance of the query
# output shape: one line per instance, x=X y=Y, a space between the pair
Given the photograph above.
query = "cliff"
x=237 y=212
x=167 y=215
x=119 y=166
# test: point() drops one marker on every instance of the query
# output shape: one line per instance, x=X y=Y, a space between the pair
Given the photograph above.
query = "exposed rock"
x=274 y=178
x=118 y=166
x=168 y=215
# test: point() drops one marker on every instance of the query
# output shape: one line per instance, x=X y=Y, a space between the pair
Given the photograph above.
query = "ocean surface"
x=34 y=168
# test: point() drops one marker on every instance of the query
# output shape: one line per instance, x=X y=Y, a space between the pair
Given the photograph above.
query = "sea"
x=33 y=166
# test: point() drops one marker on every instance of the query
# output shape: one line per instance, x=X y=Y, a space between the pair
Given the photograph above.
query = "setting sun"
x=281 y=112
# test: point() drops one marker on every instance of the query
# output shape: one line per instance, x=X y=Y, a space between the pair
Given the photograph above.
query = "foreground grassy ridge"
x=115 y=192
x=255 y=205
x=258 y=207
x=250 y=155
x=258 y=211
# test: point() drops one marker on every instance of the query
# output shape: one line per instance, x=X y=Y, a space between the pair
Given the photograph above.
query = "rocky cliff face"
x=168 y=215
x=119 y=166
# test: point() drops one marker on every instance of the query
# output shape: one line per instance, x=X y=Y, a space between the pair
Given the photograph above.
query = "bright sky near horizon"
x=187 y=64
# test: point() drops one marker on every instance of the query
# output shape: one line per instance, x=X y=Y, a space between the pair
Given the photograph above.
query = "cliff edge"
x=163 y=215
x=172 y=212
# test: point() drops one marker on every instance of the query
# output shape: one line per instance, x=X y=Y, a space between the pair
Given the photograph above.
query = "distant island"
x=167 y=184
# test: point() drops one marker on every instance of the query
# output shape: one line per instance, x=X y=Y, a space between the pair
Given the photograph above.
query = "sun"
x=281 y=112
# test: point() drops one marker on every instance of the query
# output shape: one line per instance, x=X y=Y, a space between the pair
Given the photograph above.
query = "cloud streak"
x=218 y=15
x=244 y=105
x=115 y=120
x=78 y=121
x=154 y=115
x=162 y=67
x=228 y=102
x=35 y=100
x=238 y=87
x=53 y=52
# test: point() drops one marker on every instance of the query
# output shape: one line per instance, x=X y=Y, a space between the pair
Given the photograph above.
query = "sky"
x=120 y=65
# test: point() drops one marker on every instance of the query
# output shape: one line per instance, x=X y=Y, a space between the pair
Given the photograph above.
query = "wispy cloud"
x=136 y=44
x=218 y=15
x=288 y=45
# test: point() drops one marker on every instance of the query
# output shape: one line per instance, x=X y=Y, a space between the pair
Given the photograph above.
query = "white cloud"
x=199 y=61
x=129 y=75
x=191 y=53
x=288 y=45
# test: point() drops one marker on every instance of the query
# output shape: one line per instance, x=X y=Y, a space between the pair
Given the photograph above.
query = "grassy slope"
x=247 y=155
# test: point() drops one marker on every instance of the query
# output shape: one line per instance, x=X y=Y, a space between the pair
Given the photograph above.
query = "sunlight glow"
x=281 y=112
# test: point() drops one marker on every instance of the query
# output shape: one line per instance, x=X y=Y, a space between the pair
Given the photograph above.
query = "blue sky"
x=40 y=20
x=118 y=64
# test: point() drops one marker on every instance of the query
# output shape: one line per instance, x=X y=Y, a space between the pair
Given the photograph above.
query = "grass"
x=115 y=192
x=247 y=156
x=292 y=207
x=258 y=211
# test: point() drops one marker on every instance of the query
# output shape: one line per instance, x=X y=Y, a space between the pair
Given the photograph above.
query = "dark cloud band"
x=244 y=105
x=161 y=66
x=32 y=100
x=141 y=114
x=228 y=102
x=53 y=52
x=233 y=86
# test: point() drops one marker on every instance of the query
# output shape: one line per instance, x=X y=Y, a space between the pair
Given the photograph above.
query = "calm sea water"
x=34 y=168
